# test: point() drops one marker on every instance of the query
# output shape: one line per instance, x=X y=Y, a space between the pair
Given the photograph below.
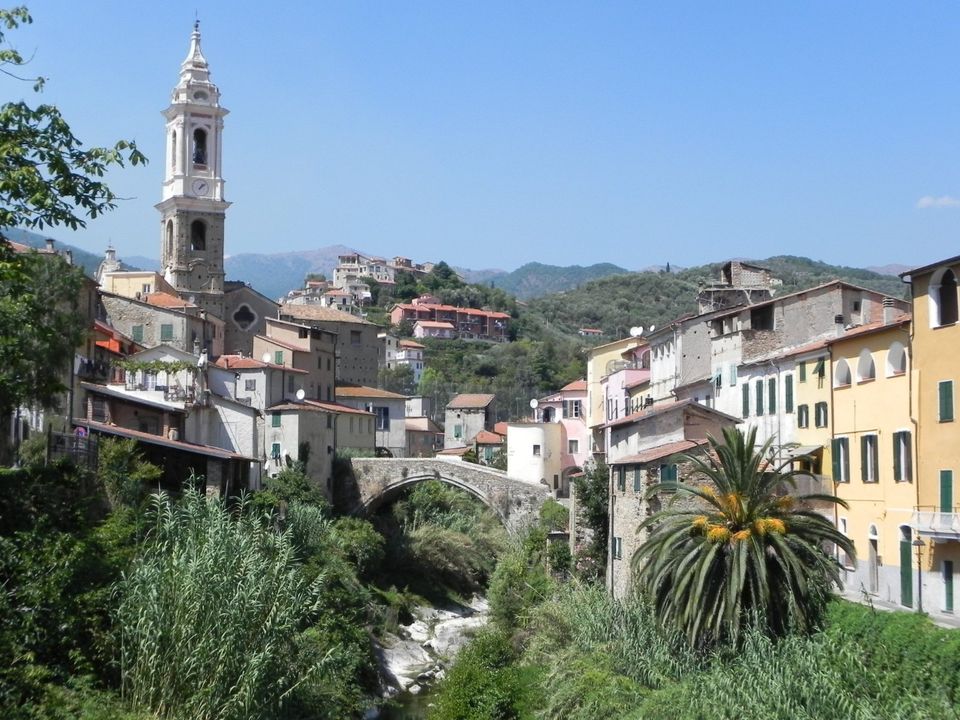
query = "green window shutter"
x=759 y=390
x=138 y=333
x=788 y=394
x=166 y=332
x=275 y=419
x=835 y=451
x=621 y=478
x=674 y=474
x=636 y=479
x=278 y=357
x=803 y=371
x=772 y=400
x=845 y=464
x=897 y=449
x=746 y=400
x=946 y=401
x=907 y=458
x=946 y=491
x=864 y=452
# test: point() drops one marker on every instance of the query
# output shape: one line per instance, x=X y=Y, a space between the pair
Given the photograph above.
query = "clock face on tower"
x=200 y=187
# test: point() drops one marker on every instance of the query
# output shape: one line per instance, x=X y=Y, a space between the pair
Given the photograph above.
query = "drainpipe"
x=914 y=420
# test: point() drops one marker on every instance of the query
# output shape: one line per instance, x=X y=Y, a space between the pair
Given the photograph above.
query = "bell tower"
x=192 y=208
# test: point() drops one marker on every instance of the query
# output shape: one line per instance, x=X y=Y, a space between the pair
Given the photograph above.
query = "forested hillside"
x=615 y=304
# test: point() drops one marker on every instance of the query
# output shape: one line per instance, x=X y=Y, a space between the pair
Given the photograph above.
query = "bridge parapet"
x=516 y=502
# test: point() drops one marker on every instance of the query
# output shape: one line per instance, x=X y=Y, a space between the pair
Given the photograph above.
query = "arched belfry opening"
x=199 y=146
x=198 y=236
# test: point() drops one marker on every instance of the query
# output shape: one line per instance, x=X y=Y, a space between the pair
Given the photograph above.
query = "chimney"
x=50 y=242
x=838 y=324
x=68 y=256
x=888 y=310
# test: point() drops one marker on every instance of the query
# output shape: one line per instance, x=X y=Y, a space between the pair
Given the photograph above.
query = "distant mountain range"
x=275 y=274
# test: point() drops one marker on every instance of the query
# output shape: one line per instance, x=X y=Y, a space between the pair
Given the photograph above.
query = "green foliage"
x=212 y=615
x=519 y=584
x=288 y=486
x=360 y=542
x=592 y=496
x=744 y=552
x=124 y=473
x=398 y=379
x=554 y=516
x=586 y=687
x=481 y=685
x=559 y=557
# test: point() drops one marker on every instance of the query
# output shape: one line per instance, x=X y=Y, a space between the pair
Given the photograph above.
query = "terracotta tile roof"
x=315 y=312
x=361 y=391
x=428 y=307
x=434 y=324
x=411 y=344
x=238 y=362
x=665 y=408
x=470 y=400
x=454 y=451
x=500 y=428
x=166 y=300
x=422 y=424
x=318 y=406
x=659 y=452
x=900 y=319
x=575 y=386
x=19 y=247
x=485 y=437
x=283 y=344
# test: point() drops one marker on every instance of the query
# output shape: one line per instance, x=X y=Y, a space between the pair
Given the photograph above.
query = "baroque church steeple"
x=193 y=207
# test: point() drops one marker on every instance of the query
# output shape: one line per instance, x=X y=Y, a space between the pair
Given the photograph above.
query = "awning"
x=789 y=452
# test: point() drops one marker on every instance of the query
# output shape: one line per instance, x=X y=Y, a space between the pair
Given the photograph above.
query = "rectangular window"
x=328 y=364
x=772 y=393
x=621 y=478
x=746 y=400
x=733 y=374
x=278 y=357
x=166 y=332
x=329 y=421
x=668 y=472
x=802 y=367
x=536 y=451
x=637 y=481
x=803 y=416
x=868 y=459
x=820 y=414
x=573 y=447
x=275 y=419
x=572 y=408
x=146 y=288
x=275 y=451
x=902 y=457
x=788 y=393
x=291 y=387
x=820 y=370
x=617 y=548
x=383 y=417
x=354 y=337
x=250 y=385
x=718 y=379
x=458 y=431
x=758 y=388
x=351 y=424
x=841 y=459
x=946 y=401
x=138 y=333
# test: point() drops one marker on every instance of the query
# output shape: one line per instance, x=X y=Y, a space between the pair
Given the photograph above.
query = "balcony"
x=928 y=520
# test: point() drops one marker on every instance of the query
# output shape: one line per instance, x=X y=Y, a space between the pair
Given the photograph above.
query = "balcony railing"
x=928 y=520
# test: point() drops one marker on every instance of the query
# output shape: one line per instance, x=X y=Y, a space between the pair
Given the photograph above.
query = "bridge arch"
x=377 y=480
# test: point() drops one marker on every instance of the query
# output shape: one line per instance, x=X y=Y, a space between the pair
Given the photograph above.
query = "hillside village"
x=847 y=384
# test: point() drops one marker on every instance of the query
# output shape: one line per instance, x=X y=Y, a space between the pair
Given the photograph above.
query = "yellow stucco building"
x=936 y=360
x=813 y=422
x=873 y=456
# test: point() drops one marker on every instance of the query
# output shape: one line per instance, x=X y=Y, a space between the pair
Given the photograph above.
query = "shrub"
x=126 y=476
x=554 y=516
x=518 y=584
x=360 y=542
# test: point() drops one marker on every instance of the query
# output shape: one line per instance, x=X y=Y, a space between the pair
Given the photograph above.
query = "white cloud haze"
x=944 y=201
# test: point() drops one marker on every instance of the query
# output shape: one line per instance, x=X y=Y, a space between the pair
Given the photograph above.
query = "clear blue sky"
x=490 y=134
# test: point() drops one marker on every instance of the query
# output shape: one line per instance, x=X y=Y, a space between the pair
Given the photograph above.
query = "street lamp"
x=919 y=544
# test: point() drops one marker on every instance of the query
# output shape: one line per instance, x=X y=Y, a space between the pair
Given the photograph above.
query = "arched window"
x=841 y=375
x=198 y=235
x=896 y=360
x=169 y=240
x=866 y=370
x=173 y=150
x=199 y=147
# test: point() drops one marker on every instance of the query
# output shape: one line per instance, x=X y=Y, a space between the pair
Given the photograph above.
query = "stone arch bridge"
x=378 y=480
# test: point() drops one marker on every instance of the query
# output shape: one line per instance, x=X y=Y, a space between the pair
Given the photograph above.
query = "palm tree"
x=741 y=551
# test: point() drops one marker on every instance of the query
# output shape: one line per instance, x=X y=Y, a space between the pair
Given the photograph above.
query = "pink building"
x=432 y=329
x=467 y=323
x=568 y=408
